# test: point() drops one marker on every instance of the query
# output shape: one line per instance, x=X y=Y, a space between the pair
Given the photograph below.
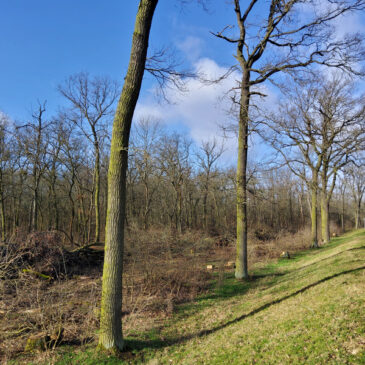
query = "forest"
x=112 y=225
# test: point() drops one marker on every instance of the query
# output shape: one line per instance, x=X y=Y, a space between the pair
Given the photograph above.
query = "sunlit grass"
x=308 y=309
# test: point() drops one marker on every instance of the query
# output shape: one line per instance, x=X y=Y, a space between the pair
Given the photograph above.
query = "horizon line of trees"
x=53 y=172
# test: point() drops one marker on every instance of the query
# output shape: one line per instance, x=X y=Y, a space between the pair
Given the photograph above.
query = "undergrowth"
x=307 y=309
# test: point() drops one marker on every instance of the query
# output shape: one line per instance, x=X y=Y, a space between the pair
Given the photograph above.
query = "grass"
x=309 y=309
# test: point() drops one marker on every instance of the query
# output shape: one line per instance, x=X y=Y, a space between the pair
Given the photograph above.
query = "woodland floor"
x=308 y=309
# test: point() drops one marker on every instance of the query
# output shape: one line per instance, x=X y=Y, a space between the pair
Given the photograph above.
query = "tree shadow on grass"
x=161 y=343
x=329 y=257
x=229 y=288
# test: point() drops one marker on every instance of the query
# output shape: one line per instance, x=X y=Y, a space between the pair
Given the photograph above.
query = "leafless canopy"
x=295 y=33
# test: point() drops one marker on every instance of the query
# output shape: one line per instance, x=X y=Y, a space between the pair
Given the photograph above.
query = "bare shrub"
x=161 y=270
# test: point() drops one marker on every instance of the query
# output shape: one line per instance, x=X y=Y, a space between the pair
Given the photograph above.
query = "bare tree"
x=92 y=101
x=210 y=152
x=111 y=303
x=174 y=163
x=144 y=151
x=319 y=127
x=293 y=42
x=356 y=176
x=34 y=138
x=5 y=162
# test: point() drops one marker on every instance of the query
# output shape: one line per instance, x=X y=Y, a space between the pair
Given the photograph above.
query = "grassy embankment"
x=309 y=309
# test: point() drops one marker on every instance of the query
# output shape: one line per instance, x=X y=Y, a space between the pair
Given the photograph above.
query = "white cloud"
x=192 y=47
x=201 y=109
x=349 y=24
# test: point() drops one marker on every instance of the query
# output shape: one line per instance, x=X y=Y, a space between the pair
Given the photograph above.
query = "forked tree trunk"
x=111 y=337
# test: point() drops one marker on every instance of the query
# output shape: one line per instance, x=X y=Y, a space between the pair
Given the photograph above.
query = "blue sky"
x=44 y=41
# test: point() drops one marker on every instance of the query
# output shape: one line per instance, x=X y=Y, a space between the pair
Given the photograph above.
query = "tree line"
x=53 y=172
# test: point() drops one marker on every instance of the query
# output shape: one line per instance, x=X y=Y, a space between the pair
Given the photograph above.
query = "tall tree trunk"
x=301 y=209
x=55 y=208
x=325 y=218
x=314 y=217
x=205 y=210
x=97 y=192
x=2 y=213
x=146 y=210
x=34 y=217
x=357 y=215
x=343 y=213
x=241 y=248
x=179 y=210
x=291 y=218
x=111 y=337
x=72 y=218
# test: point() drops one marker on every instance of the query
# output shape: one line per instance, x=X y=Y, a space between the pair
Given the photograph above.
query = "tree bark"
x=357 y=215
x=314 y=217
x=2 y=213
x=111 y=337
x=325 y=219
x=241 y=248
x=97 y=191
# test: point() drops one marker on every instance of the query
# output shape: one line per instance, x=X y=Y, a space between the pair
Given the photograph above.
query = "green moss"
x=37 y=343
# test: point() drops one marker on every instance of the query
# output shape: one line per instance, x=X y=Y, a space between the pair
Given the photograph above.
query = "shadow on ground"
x=161 y=343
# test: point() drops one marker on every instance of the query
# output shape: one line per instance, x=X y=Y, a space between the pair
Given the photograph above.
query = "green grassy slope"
x=306 y=310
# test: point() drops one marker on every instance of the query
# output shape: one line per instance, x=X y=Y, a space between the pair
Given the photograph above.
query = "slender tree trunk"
x=314 y=217
x=179 y=210
x=147 y=206
x=216 y=212
x=357 y=215
x=111 y=337
x=291 y=218
x=343 y=213
x=97 y=192
x=301 y=209
x=205 y=210
x=34 y=217
x=241 y=248
x=55 y=208
x=325 y=218
x=17 y=202
x=72 y=218
x=89 y=219
x=2 y=213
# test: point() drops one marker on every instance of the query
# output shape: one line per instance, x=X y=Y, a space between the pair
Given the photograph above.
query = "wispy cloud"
x=192 y=47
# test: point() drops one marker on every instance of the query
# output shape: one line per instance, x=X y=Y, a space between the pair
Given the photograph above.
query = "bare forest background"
x=53 y=172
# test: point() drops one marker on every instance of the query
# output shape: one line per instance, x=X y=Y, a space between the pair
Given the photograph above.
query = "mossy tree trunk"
x=277 y=33
x=111 y=337
x=325 y=219
x=326 y=195
x=241 y=245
